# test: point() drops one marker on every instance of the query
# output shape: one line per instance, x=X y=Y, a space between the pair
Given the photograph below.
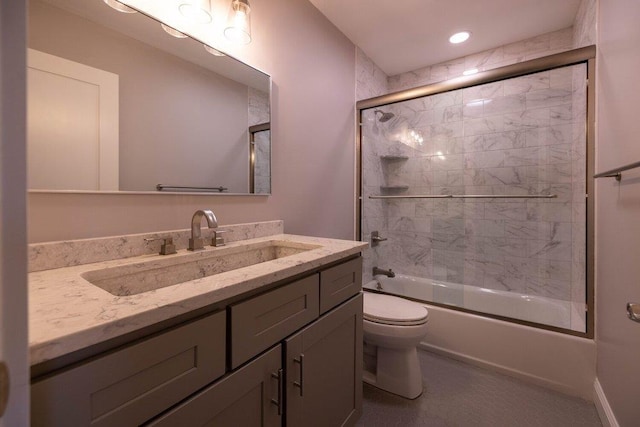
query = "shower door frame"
x=585 y=55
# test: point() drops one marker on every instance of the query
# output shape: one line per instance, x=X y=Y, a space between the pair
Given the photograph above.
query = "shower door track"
x=468 y=196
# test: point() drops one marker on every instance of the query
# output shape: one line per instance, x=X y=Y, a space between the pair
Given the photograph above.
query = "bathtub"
x=536 y=309
x=555 y=360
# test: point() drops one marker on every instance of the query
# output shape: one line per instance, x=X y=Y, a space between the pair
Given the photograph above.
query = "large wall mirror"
x=116 y=104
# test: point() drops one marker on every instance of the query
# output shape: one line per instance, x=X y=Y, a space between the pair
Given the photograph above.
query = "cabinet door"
x=262 y=321
x=131 y=385
x=250 y=396
x=324 y=369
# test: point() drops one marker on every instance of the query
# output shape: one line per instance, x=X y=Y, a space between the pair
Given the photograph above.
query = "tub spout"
x=388 y=273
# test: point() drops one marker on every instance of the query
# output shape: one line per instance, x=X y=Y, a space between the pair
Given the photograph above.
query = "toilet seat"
x=390 y=310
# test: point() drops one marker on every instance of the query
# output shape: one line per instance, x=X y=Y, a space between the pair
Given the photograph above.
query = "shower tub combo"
x=473 y=191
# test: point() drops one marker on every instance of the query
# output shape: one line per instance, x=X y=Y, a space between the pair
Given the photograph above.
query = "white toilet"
x=392 y=328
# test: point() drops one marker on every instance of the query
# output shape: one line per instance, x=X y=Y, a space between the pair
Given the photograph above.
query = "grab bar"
x=161 y=187
x=468 y=196
x=617 y=172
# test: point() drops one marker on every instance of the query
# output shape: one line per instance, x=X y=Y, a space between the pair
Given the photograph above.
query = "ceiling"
x=405 y=35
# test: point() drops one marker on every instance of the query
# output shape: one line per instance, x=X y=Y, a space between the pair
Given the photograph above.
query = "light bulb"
x=239 y=22
x=212 y=51
x=119 y=6
x=198 y=11
x=173 y=32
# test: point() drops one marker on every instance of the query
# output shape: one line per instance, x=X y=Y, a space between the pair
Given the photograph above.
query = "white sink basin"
x=137 y=278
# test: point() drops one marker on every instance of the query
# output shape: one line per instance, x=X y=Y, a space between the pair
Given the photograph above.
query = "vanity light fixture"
x=460 y=37
x=198 y=11
x=212 y=51
x=238 y=28
x=173 y=32
x=119 y=6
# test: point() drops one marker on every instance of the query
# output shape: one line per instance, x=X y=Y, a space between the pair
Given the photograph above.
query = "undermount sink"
x=146 y=276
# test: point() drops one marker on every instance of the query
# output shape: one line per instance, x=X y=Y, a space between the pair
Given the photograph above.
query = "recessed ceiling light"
x=470 y=72
x=459 y=37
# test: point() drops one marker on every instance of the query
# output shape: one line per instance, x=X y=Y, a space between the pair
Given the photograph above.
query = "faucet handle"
x=217 y=239
x=167 y=247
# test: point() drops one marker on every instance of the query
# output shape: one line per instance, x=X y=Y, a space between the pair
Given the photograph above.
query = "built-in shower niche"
x=394 y=170
x=482 y=188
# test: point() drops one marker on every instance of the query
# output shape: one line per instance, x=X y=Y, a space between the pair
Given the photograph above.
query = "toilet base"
x=397 y=371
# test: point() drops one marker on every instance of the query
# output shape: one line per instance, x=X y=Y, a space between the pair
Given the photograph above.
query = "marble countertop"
x=67 y=313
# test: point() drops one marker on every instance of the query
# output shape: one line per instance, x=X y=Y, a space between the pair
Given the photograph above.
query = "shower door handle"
x=633 y=311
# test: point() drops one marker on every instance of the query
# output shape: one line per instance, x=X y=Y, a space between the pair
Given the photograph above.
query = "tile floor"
x=458 y=394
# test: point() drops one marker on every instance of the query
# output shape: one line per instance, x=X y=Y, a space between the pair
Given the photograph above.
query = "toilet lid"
x=392 y=310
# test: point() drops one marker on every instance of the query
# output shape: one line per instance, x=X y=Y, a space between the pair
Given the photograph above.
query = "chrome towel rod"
x=468 y=196
x=617 y=172
x=161 y=187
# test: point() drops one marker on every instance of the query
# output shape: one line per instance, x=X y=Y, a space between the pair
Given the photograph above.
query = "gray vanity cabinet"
x=129 y=386
x=289 y=356
x=324 y=369
x=248 y=397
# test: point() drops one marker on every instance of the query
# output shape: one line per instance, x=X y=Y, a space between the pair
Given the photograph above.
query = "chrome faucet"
x=388 y=273
x=196 y=242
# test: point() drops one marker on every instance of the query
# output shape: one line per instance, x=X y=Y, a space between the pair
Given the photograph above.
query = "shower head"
x=384 y=117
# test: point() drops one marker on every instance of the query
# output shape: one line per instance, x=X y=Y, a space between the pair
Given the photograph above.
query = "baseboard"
x=605 y=412
x=543 y=382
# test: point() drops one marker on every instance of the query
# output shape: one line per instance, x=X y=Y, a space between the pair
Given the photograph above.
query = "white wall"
x=312 y=65
x=618 y=207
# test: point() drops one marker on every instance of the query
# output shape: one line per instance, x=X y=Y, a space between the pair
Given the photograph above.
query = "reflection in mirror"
x=116 y=104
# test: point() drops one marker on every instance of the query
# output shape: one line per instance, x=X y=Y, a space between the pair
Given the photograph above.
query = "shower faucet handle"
x=376 y=239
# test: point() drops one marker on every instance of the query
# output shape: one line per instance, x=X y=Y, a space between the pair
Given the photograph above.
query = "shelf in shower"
x=394 y=188
x=394 y=158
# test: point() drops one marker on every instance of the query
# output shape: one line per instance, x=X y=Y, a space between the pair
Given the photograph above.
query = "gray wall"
x=180 y=124
x=618 y=207
x=13 y=227
x=312 y=65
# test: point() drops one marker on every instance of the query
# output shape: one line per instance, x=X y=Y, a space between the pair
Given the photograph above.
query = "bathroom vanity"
x=277 y=342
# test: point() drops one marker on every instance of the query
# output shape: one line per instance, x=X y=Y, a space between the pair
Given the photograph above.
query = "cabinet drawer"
x=339 y=283
x=262 y=321
x=131 y=385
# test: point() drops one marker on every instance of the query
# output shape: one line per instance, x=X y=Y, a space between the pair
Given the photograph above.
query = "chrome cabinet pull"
x=633 y=311
x=278 y=402
x=4 y=387
x=301 y=383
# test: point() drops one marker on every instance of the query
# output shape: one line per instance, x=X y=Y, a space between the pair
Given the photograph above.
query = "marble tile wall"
x=371 y=81
x=524 y=50
x=259 y=113
x=584 y=26
x=262 y=169
x=520 y=137
x=259 y=110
